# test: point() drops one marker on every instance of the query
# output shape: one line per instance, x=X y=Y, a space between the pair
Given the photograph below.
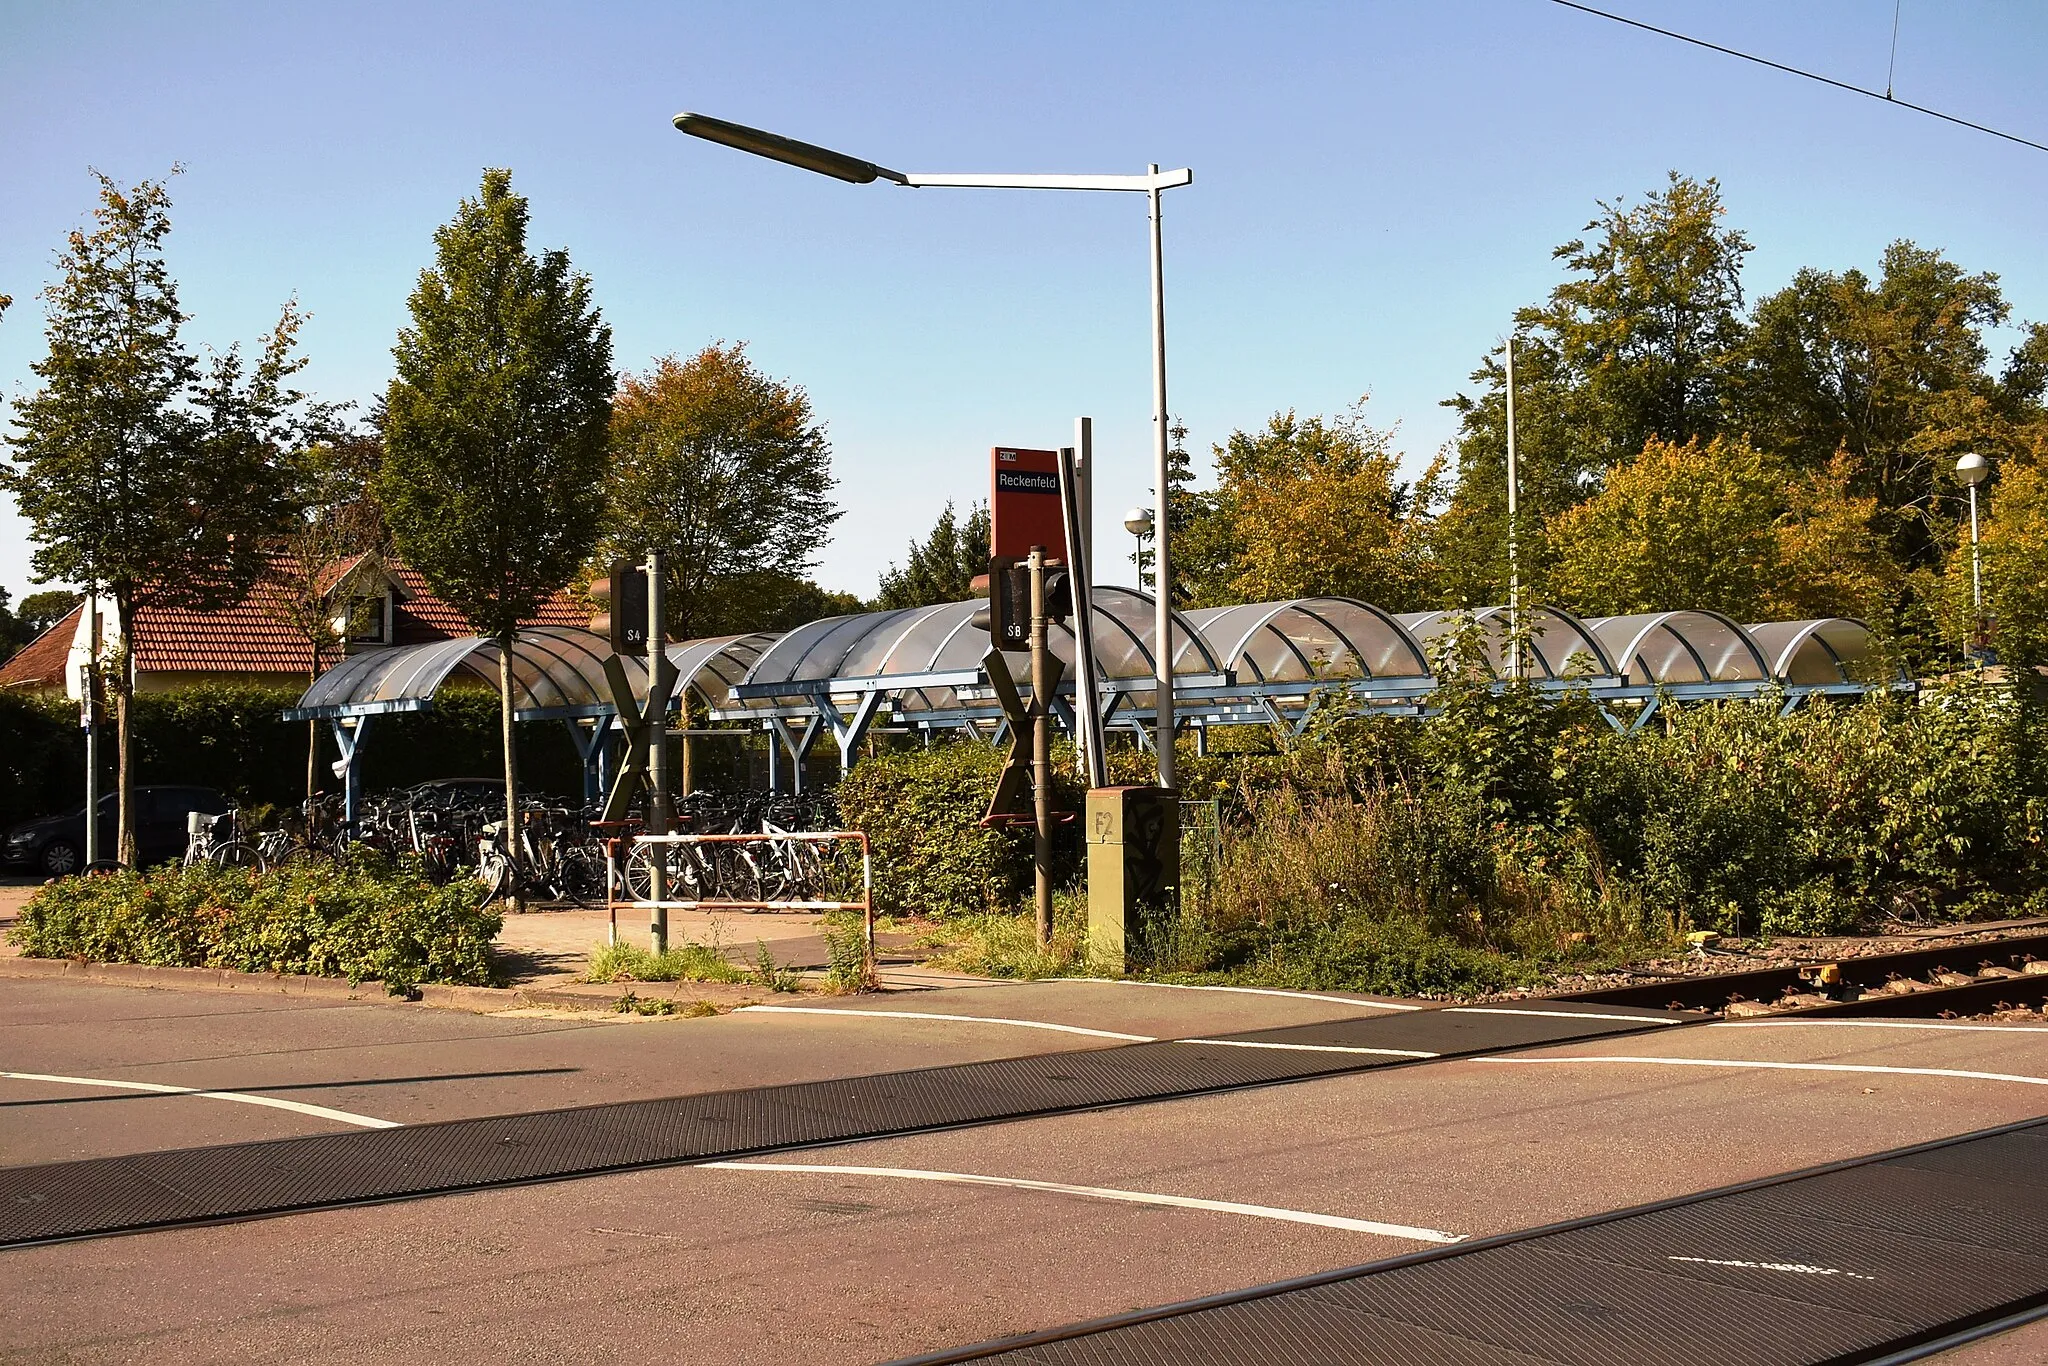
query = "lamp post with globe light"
x=1972 y=470
x=1138 y=521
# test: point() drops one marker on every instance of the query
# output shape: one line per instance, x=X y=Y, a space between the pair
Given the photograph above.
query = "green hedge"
x=309 y=919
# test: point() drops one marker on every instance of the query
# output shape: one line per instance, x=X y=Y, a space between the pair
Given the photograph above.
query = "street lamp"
x=854 y=170
x=1138 y=521
x=1972 y=470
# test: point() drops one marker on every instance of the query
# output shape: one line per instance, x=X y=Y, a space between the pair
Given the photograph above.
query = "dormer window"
x=367 y=620
x=363 y=599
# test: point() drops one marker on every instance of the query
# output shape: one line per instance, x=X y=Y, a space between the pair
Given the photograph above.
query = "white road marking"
x=1315 y=1048
x=1555 y=1014
x=1291 y=1216
x=1800 y=1268
x=969 y=1019
x=1796 y=1067
x=1250 y=991
x=240 y=1098
x=1877 y=1024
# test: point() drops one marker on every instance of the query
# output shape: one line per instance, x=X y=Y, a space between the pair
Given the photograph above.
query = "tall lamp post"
x=1972 y=470
x=855 y=171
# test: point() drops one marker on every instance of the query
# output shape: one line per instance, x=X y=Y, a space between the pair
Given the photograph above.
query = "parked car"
x=56 y=844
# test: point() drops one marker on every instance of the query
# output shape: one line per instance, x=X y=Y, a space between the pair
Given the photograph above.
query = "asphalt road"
x=756 y=1263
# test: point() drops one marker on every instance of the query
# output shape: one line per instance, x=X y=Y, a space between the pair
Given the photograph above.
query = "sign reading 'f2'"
x=1024 y=504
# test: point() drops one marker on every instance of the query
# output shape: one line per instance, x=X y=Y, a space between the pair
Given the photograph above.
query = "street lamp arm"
x=789 y=151
x=1164 y=180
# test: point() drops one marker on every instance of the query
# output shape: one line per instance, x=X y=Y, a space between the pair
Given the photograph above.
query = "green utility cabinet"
x=1133 y=867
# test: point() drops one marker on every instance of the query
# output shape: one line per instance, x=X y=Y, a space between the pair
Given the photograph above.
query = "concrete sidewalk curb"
x=593 y=996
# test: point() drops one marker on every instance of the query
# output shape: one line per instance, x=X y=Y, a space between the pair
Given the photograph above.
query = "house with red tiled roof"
x=374 y=601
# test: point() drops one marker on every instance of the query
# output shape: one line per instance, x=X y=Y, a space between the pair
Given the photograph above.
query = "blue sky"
x=1377 y=186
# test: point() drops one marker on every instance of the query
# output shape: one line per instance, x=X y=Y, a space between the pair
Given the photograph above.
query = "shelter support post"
x=348 y=738
x=589 y=739
x=799 y=747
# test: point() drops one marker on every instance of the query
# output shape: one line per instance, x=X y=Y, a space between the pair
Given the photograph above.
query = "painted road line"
x=1313 y=1047
x=240 y=1098
x=955 y=1019
x=1862 y=1068
x=1798 y=1268
x=1250 y=991
x=1879 y=1024
x=1554 y=1014
x=1291 y=1216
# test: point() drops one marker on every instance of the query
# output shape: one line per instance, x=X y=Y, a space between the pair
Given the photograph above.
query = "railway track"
x=1951 y=980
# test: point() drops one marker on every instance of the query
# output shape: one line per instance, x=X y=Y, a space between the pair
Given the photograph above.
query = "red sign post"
x=1024 y=504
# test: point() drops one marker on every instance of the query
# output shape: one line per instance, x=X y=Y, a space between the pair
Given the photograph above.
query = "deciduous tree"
x=1689 y=525
x=495 y=429
x=143 y=474
x=728 y=471
x=1642 y=340
x=333 y=519
x=1315 y=506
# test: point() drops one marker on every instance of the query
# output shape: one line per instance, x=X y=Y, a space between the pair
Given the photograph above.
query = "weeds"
x=847 y=967
x=684 y=962
x=772 y=975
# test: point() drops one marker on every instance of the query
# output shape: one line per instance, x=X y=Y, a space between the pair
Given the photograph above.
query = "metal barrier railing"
x=707 y=872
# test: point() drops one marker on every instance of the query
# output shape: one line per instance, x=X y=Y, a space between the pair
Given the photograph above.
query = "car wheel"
x=60 y=858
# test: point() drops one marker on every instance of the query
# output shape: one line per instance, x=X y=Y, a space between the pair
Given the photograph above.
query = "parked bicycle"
x=217 y=841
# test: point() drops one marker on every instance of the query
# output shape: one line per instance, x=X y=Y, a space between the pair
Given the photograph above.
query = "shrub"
x=313 y=919
x=921 y=810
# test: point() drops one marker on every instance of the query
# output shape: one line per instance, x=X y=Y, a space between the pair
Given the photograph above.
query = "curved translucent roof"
x=1822 y=651
x=711 y=665
x=1309 y=638
x=1560 y=645
x=556 y=670
x=1654 y=648
x=941 y=639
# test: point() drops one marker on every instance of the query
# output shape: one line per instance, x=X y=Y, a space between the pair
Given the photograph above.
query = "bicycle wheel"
x=583 y=875
x=739 y=877
x=235 y=854
x=497 y=874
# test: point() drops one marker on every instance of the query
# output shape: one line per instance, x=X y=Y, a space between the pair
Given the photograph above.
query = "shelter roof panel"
x=1821 y=651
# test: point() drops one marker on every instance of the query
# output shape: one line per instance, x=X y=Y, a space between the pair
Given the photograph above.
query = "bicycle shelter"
x=920 y=671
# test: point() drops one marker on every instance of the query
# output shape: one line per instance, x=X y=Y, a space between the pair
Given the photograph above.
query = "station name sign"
x=1024 y=503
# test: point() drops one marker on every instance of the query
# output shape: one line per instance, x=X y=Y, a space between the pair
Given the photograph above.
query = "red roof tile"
x=40 y=663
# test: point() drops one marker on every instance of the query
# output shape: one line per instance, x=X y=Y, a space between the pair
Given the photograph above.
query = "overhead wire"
x=1884 y=95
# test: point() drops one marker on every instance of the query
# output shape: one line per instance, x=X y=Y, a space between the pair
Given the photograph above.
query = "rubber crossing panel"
x=1881 y=1259
x=101 y=1196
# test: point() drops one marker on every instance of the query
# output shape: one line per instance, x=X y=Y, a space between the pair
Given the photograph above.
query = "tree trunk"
x=124 y=698
x=517 y=899
x=312 y=749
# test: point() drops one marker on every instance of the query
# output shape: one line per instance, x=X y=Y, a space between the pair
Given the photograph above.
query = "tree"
x=495 y=429
x=142 y=475
x=1680 y=526
x=1642 y=341
x=725 y=470
x=334 y=518
x=38 y=612
x=942 y=567
x=1893 y=374
x=1313 y=507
